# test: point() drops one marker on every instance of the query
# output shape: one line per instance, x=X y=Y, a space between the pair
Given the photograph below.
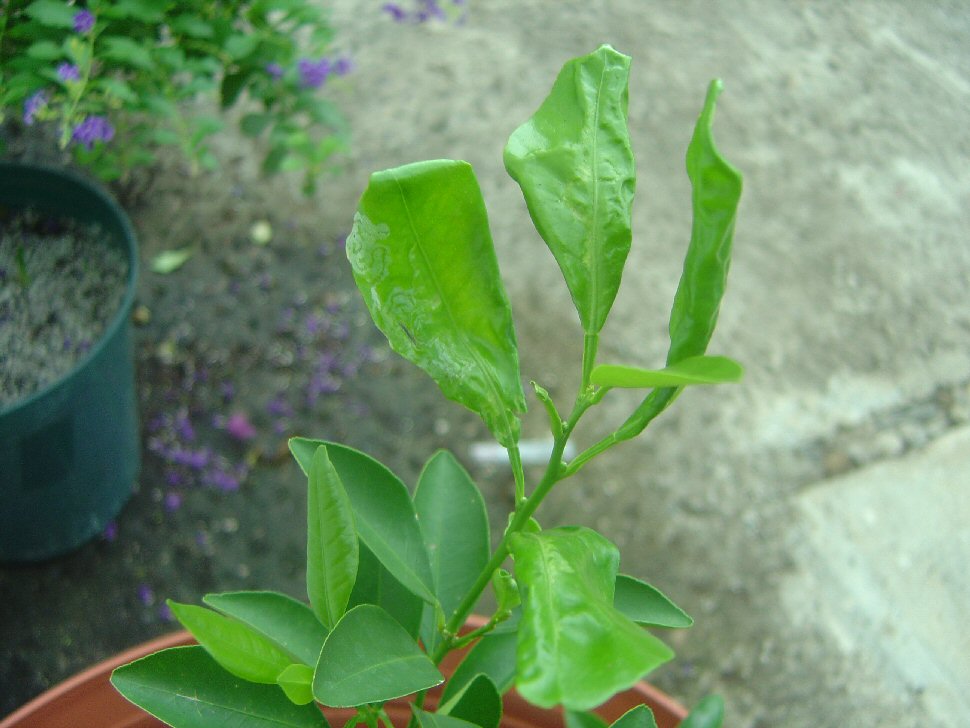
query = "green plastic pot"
x=69 y=453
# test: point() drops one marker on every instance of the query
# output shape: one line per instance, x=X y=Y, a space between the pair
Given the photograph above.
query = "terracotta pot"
x=88 y=700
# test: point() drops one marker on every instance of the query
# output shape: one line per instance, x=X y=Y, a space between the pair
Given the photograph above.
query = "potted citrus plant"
x=393 y=578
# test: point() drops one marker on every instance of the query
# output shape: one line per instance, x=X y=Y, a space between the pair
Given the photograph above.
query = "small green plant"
x=392 y=578
x=119 y=78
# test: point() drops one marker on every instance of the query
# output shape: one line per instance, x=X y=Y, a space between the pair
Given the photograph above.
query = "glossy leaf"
x=332 y=552
x=708 y=713
x=422 y=256
x=506 y=591
x=282 y=619
x=369 y=658
x=375 y=585
x=238 y=648
x=716 y=192
x=638 y=717
x=297 y=682
x=185 y=687
x=492 y=655
x=583 y=719
x=574 y=647
x=478 y=702
x=575 y=166
x=383 y=512
x=451 y=514
x=646 y=605
x=438 y=720
x=693 y=370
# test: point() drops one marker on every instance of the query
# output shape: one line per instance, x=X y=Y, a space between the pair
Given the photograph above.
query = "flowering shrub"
x=116 y=78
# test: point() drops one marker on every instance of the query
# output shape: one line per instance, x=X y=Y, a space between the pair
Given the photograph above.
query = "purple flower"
x=395 y=11
x=183 y=427
x=165 y=613
x=110 y=532
x=342 y=66
x=313 y=74
x=83 y=21
x=145 y=595
x=93 y=129
x=239 y=426
x=34 y=103
x=274 y=70
x=68 y=72
x=223 y=479
x=173 y=501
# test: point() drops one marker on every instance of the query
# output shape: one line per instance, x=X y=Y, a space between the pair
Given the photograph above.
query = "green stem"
x=590 y=345
x=518 y=473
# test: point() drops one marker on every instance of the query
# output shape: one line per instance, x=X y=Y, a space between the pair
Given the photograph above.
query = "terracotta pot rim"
x=644 y=690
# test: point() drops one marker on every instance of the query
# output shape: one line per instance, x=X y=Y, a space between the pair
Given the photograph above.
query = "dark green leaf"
x=438 y=720
x=282 y=619
x=238 y=648
x=452 y=517
x=332 y=553
x=423 y=259
x=297 y=683
x=185 y=687
x=692 y=370
x=232 y=86
x=478 y=702
x=383 y=512
x=639 y=717
x=492 y=655
x=716 y=192
x=645 y=604
x=575 y=166
x=708 y=713
x=574 y=647
x=369 y=658
x=51 y=13
x=376 y=585
x=583 y=719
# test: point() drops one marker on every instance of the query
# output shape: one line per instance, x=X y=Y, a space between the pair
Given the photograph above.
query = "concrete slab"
x=885 y=569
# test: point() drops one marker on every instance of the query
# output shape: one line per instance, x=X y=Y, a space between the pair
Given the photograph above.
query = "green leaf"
x=438 y=720
x=169 y=261
x=575 y=166
x=184 y=686
x=255 y=124
x=375 y=585
x=506 y=591
x=192 y=26
x=478 y=702
x=240 y=46
x=146 y=11
x=646 y=605
x=282 y=619
x=238 y=648
x=574 y=647
x=297 y=683
x=638 y=717
x=492 y=655
x=693 y=370
x=125 y=50
x=369 y=658
x=423 y=259
x=52 y=13
x=332 y=553
x=454 y=523
x=232 y=86
x=45 y=50
x=716 y=191
x=383 y=512
x=708 y=713
x=583 y=719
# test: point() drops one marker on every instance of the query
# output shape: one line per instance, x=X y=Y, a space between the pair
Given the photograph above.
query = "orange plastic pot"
x=88 y=700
